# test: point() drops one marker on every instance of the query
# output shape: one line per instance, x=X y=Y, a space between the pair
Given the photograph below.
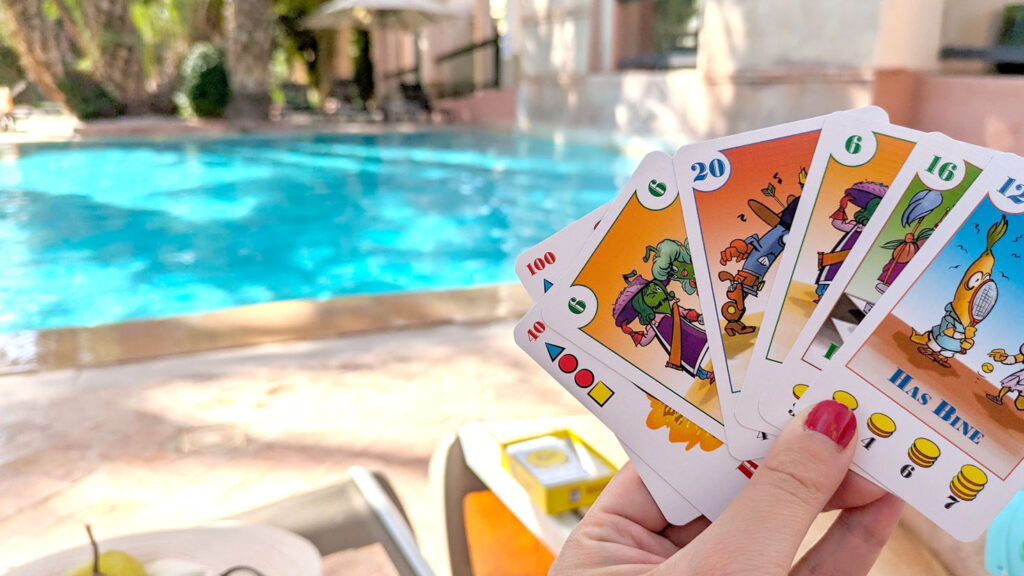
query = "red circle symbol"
x=584 y=378
x=567 y=363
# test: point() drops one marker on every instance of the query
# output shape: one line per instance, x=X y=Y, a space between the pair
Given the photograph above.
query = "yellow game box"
x=559 y=470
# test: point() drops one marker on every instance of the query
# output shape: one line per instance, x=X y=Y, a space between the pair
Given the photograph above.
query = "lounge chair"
x=343 y=99
x=360 y=512
x=411 y=103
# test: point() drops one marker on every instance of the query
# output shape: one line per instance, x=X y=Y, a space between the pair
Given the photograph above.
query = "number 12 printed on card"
x=935 y=370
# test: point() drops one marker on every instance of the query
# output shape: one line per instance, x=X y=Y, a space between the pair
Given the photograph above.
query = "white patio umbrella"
x=403 y=14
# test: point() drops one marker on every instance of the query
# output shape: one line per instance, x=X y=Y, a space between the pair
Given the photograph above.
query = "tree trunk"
x=38 y=43
x=249 y=27
x=117 y=50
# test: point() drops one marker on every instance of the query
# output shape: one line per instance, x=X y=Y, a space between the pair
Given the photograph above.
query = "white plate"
x=217 y=547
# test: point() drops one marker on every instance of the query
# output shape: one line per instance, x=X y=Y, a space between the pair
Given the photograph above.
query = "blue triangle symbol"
x=547 y=285
x=553 y=351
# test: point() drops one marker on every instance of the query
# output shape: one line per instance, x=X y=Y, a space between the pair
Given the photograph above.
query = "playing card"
x=934 y=374
x=853 y=166
x=629 y=297
x=936 y=174
x=539 y=266
x=676 y=509
x=690 y=459
x=739 y=196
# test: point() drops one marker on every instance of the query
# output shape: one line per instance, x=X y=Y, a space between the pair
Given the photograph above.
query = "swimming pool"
x=95 y=233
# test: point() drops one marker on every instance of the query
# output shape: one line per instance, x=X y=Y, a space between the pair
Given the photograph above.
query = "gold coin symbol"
x=881 y=425
x=846 y=399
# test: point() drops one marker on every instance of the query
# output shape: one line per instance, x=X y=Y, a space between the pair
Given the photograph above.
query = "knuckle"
x=794 y=479
x=868 y=534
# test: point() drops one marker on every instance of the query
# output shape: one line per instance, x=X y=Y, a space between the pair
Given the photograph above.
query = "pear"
x=112 y=563
x=109 y=563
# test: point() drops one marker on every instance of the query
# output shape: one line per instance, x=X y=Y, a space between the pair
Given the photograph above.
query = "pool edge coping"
x=251 y=325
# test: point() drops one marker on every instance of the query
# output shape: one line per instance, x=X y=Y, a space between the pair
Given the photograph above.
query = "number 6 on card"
x=934 y=373
x=630 y=298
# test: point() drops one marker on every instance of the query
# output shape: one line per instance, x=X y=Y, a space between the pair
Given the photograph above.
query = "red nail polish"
x=834 y=420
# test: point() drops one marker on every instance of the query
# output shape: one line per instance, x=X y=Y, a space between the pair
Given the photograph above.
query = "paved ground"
x=174 y=442
x=178 y=441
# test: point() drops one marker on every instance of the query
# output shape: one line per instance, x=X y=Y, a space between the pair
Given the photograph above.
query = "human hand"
x=737 y=250
x=804 y=473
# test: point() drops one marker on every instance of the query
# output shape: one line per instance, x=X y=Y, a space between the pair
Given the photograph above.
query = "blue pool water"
x=99 y=233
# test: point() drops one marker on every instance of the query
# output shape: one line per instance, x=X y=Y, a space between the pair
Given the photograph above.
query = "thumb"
x=772 y=514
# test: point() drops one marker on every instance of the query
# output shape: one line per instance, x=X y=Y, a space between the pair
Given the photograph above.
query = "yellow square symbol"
x=600 y=393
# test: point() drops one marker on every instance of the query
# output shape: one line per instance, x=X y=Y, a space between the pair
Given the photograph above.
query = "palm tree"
x=99 y=30
x=249 y=35
x=41 y=50
x=116 y=49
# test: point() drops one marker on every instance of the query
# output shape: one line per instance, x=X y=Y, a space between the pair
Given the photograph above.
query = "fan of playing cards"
x=837 y=257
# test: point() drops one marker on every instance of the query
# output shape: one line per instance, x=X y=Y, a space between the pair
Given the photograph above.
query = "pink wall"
x=482 y=107
x=980 y=109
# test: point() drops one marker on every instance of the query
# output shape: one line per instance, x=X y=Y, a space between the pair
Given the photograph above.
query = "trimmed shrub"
x=87 y=98
x=205 y=90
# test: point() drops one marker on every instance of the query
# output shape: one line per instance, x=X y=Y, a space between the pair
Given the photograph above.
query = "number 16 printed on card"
x=935 y=370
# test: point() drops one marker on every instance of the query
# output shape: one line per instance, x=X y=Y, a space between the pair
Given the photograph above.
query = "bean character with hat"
x=757 y=253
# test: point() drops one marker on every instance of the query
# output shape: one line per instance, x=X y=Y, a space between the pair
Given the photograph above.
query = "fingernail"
x=834 y=420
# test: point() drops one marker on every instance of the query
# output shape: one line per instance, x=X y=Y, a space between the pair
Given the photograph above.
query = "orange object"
x=494 y=536
x=675 y=357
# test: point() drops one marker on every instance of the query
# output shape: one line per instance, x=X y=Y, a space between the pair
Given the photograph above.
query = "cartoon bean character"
x=1014 y=382
x=973 y=300
x=672 y=261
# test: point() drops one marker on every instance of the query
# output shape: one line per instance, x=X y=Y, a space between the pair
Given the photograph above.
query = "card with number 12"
x=935 y=176
x=934 y=372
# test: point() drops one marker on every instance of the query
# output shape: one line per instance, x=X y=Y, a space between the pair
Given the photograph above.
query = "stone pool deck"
x=177 y=441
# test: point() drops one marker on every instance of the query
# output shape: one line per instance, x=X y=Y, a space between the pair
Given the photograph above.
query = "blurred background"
x=251 y=249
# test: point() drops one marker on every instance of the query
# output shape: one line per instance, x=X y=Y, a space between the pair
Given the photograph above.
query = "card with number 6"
x=934 y=374
x=630 y=299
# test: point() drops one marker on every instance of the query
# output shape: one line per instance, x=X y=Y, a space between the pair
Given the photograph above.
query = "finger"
x=855 y=491
x=772 y=514
x=627 y=497
x=853 y=542
x=683 y=535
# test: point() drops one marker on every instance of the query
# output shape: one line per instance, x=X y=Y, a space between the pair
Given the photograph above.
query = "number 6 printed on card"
x=630 y=297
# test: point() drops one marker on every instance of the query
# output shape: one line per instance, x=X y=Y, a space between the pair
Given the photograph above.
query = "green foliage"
x=363 y=74
x=296 y=39
x=168 y=27
x=161 y=31
x=675 y=25
x=205 y=90
x=87 y=98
